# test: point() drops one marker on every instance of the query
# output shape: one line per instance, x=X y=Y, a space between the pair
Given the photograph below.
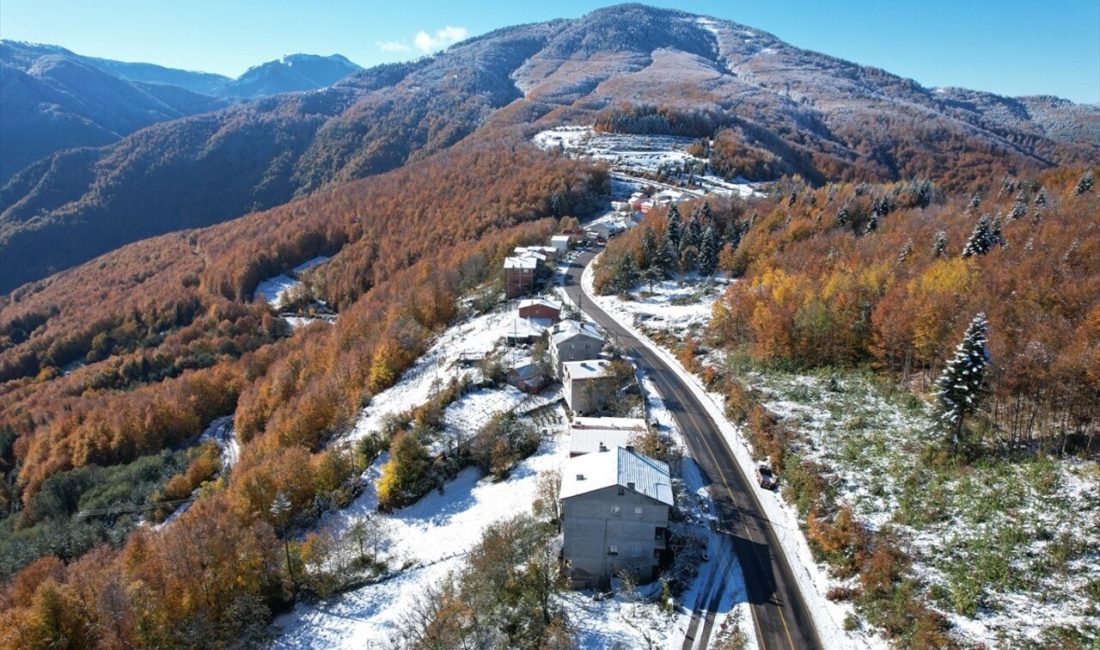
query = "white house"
x=561 y=243
x=580 y=383
x=615 y=510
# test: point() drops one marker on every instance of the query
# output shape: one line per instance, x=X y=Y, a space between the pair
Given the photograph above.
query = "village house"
x=525 y=330
x=519 y=275
x=527 y=376
x=590 y=435
x=560 y=243
x=581 y=384
x=540 y=308
x=615 y=511
x=574 y=341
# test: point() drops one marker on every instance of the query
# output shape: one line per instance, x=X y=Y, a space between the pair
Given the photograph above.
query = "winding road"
x=779 y=614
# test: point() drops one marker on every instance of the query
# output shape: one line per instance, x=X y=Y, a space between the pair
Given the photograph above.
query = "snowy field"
x=1008 y=548
x=635 y=155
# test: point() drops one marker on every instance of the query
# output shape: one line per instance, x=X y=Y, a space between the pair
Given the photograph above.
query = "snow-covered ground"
x=470 y=339
x=994 y=527
x=274 y=291
x=635 y=155
x=814 y=581
x=668 y=305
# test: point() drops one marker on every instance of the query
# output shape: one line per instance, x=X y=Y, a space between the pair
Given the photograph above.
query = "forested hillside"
x=160 y=338
x=780 y=110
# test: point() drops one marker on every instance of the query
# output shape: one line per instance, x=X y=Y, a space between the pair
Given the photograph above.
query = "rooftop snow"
x=589 y=369
x=623 y=468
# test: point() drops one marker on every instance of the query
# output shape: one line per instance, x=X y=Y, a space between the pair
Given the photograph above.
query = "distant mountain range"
x=54 y=99
x=822 y=117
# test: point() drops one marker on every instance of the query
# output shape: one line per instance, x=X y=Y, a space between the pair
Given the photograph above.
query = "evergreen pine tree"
x=905 y=252
x=672 y=230
x=626 y=274
x=694 y=233
x=940 y=247
x=708 y=252
x=975 y=203
x=649 y=248
x=1019 y=208
x=962 y=382
x=981 y=239
x=1085 y=184
x=1041 y=198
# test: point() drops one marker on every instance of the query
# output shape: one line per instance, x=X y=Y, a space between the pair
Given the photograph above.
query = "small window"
x=612 y=549
x=621 y=492
x=616 y=511
x=638 y=511
x=636 y=552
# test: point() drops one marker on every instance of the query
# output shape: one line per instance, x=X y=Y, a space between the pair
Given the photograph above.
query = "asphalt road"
x=779 y=614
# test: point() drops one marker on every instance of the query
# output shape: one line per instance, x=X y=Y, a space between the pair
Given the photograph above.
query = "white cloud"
x=449 y=35
x=393 y=46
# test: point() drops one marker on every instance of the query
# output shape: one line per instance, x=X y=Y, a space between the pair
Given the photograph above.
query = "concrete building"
x=581 y=384
x=519 y=275
x=615 y=510
x=591 y=435
x=574 y=341
x=561 y=243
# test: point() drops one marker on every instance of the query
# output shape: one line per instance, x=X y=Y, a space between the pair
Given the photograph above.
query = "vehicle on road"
x=766 y=478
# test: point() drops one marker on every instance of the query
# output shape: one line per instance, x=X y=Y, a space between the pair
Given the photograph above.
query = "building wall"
x=540 y=311
x=599 y=544
x=518 y=282
x=578 y=394
x=578 y=348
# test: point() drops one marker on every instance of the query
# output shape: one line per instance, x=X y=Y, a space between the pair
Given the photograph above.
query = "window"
x=621 y=492
x=612 y=549
x=616 y=511
x=638 y=512
x=636 y=552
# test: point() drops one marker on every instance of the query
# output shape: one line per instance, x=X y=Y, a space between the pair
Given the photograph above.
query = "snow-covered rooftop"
x=533 y=302
x=634 y=424
x=589 y=441
x=521 y=262
x=522 y=328
x=628 y=469
x=588 y=369
x=566 y=330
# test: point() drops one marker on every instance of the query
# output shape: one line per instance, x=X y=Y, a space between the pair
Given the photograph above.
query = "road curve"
x=779 y=613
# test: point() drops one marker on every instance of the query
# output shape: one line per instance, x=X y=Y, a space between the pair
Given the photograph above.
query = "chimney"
x=603 y=447
x=630 y=485
x=580 y=477
x=630 y=447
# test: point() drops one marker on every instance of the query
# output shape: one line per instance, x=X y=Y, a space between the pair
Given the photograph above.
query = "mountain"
x=55 y=100
x=819 y=116
x=292 y=73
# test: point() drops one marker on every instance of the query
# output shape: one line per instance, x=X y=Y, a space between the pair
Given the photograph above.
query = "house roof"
x=560 y=238
x=588 y=369
x=528 y=372
x=568 y=329
x=524 y=262
x=589 y=441
x=527 y=327
x=628 y=469
x=531 y=302
x=623 y=424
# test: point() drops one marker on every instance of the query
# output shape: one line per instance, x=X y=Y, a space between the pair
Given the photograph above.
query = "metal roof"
x=628 y=469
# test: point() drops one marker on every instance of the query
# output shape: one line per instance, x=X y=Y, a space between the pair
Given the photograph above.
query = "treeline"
x=215 y=574
x=665 y=245
x=647 y=119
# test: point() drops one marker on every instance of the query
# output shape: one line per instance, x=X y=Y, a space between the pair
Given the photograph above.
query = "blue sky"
x=1012 y=47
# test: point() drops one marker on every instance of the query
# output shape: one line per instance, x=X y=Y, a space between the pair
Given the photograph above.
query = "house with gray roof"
x=615 y=510
x=572 y=340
